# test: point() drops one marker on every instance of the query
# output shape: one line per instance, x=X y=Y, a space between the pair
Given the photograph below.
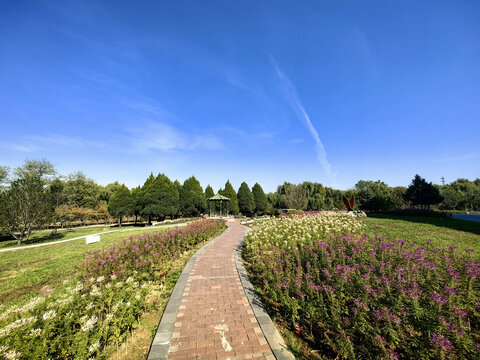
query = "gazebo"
x=215 y=199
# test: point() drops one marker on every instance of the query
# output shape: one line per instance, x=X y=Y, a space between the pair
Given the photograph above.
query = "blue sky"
x=255 y=91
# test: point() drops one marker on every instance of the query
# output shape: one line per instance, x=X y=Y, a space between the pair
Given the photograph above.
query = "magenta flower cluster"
x=357 y=296
x=149 y=254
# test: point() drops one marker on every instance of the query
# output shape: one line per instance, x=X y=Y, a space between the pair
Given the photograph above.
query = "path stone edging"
x=161 y=342
x=271 y=333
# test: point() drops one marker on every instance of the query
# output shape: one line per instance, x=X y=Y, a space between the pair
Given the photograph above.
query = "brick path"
x=215 y=320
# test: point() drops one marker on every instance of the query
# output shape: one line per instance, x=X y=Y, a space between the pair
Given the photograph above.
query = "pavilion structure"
x=216 y=199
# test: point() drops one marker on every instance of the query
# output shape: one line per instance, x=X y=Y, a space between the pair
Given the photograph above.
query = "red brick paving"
x=215 y=320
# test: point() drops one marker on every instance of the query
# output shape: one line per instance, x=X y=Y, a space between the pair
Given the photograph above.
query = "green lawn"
x=44 y=236
x=24 y=272
x=442 y=231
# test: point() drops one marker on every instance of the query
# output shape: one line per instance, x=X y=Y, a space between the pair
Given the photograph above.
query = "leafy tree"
x=423 y=194
x=373 y=195
x=82 y=192
x=107 y=191
x=25 y=205
x=232 y=195
x=192 y=199
x=3 y=176
x=246 y=202
x=315 y=193
x=294 y=197
x=398 y=196
x=209 y=192
x=468 y=193
x=121 y=203
x=260 y=199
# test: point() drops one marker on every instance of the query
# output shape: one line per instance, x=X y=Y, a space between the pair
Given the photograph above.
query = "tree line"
x=34 y=195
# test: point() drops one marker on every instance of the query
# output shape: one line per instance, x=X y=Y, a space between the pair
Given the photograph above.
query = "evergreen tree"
x=260 y=199
x=192 y=199
x=232 y=195
x=246 y=202
x=121 y=203
x=422 y=193
x=137 y=202
x=209 y=192
x=150 y=198
x=169 y=197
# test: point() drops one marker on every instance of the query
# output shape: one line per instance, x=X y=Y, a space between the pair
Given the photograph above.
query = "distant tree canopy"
x=33 y=196
x=192 y=198
x=209 y=192
x=229 y=192
x=260 y=199
x=121 y=203
x=373 y=195
x=26 y=204
x=423 y=194
x=246 y=201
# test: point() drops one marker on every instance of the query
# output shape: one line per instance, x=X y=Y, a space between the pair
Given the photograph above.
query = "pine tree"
x=121 y=203
x=192 y=199
x=209 y=192
x=246 y=202
x=260 y=199
x=232 y=195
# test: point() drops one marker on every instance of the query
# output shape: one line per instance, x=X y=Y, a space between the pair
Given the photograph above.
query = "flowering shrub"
x=101 y=307
x=353 y=296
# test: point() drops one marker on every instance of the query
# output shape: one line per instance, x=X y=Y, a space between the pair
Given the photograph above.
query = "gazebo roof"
x=218 y=197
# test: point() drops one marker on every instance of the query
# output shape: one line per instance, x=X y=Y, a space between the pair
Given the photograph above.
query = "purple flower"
x=441 y=341
x=450 y=290
x=439 y=298
x=453 y=273
x=452 y=248
x=459 y=312
x=469 y=251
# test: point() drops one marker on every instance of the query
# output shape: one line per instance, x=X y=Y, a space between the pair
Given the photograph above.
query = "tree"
x=232 y=195
x=423 y=194
x=209 y=192
x=3 y=176
x=121 y=203
x=25 y=205
x=81 y=191
x=315 y=193
x=260 y=199
x=246 y=202
x=161 y=198
x=373 y=195
x=468 y=193
x=192 y=199
x=294 y=197
x=137 y=202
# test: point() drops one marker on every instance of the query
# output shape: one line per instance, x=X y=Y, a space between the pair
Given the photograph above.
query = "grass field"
x=43 y=236
x=24 y=272
x=442 y=231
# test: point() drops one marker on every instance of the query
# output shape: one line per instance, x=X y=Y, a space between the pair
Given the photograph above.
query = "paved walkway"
x=213 y=318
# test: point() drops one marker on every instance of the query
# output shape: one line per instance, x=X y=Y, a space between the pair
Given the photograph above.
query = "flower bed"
x=351 y=296
x=100 y=309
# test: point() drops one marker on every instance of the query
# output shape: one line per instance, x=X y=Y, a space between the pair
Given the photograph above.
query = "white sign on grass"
x=90 y=239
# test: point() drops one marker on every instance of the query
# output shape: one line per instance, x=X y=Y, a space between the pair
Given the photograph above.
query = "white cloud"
x=292 y=97
x=163 y=137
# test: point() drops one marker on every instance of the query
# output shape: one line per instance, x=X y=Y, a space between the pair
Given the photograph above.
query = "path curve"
x=210 y=316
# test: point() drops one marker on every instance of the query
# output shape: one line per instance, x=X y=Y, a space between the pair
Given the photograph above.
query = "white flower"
x=49 y=315
x=94 y=347
x=108 y=286
x=89 y=306
x=100 y=278
x=129 y=280
x=89 y=324
x=113 y=277
x=138 y=297
x=35 y=332
x=12 y=355
x=95 y=291
x=119 y=284
x=109 y=317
